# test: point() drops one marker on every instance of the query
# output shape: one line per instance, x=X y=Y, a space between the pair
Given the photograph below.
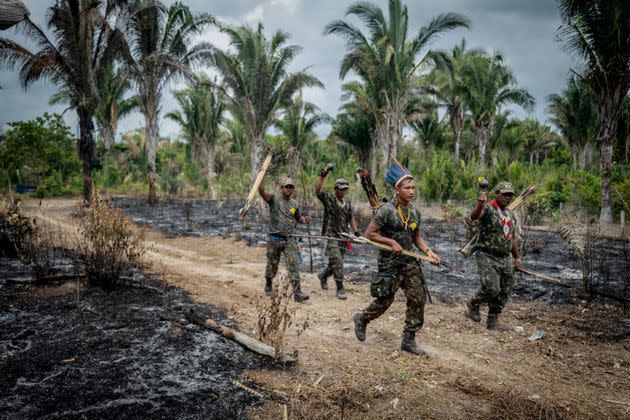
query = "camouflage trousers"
x=496 y=275
x=275 y=249
x=334 y=251
x=384 y=287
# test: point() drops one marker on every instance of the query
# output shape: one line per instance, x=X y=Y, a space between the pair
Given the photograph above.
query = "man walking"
x=497 y=255
x=397 y=224
x=284 y=214
x=337 y=215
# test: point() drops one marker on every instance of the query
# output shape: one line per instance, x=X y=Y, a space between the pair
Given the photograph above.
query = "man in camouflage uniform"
x=497 y=255
x=397 y=224
x=284 y=214
x=337 y=215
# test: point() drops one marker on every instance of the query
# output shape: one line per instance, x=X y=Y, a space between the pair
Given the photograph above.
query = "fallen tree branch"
x=244 y=340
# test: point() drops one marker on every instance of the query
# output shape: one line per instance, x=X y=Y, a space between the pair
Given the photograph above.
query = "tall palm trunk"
x=482 y=132
x=152 y=135
x=210 y=156
x=457 y=121
x=106 y=134
x=86 y=149
x=256 y=154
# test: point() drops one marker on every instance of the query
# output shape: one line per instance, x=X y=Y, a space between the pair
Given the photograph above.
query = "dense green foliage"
x=41 y=153
x=442 y=113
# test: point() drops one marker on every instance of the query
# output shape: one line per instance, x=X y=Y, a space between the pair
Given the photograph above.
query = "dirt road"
x=580 y=368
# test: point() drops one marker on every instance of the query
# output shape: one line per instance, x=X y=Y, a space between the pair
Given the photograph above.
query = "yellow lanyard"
x=402 y=216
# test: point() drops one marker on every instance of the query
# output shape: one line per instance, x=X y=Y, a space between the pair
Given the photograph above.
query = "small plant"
x=107 y=241
x=275 y=316
x=579 y=236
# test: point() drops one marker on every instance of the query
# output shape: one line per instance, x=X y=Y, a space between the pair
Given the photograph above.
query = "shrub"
x=15 y=230
x=107 y=241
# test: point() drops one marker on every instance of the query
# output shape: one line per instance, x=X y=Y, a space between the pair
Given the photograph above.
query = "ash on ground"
x=128 y=353
x=546 y=251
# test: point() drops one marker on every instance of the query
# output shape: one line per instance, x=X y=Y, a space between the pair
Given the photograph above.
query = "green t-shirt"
x=283 y=215
x=400 y=226
x=496 y=230
x=337 y=214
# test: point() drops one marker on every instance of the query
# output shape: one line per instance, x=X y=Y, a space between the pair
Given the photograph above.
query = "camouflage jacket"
x=496 y=230
x=283 y=215
x=337 y=215
x=400 y=225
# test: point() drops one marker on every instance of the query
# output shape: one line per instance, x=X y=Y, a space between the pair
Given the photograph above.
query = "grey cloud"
x=522 y=30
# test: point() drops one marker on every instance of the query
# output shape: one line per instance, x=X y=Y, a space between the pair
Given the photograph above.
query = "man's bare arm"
x=261 y=190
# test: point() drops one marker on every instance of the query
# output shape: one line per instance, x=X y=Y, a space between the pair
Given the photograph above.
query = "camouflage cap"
x=342 y=184
x=287 y=181
x=504 y=188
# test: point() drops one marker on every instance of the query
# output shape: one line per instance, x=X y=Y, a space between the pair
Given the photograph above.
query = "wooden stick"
x=544 y=278
x=244 y=340
x=252 y=193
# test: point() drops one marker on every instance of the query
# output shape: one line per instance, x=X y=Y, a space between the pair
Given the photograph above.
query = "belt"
x=278 y=237
x=494 y=252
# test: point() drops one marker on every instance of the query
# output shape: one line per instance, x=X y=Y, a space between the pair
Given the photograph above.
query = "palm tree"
x=387 y=63
x=429 y=133
x=573 y=112
x=11 y=13
x=537 y=139
x=112 y=85
x=298 y=125
x=486 y=85
x=598 y=33
x=200 y=118
x=257 y=82
x=161 y=50
x=446 y=80
x=83 y=42
x=354 y=130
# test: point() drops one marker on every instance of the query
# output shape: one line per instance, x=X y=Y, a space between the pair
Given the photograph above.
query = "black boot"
x=268 y=287
x=341 y=293
x=300 y=296
x=409 y=344
x=359 y=326
x=323 y=280
x=492 y=323
x=473 y=311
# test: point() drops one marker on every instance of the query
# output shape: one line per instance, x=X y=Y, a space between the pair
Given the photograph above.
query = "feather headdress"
x=396 y=173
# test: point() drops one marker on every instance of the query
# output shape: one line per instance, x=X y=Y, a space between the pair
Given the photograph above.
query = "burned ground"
x=74 y=352
x=579 y=369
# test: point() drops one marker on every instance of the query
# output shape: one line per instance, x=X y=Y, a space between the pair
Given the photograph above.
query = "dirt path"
x=579 y=369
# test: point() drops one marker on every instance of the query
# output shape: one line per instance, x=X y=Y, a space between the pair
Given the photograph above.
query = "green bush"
x=40 y=152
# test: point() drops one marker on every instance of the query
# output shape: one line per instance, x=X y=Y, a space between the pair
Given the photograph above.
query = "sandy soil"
x=580 y=369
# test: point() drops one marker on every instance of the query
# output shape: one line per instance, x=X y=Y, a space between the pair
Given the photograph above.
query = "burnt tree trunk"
x=86 y=149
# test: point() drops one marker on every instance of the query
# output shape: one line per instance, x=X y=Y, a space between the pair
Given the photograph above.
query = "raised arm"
x=261 y=190
x=320 y=181
x=481 y=202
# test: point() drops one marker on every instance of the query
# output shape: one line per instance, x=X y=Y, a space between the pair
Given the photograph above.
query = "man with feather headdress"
x=397 y=224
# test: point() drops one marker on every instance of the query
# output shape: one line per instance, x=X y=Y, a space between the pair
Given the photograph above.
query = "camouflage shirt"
x=337 y=215
x=400 y=226
x=283 y=215
x=496 y=230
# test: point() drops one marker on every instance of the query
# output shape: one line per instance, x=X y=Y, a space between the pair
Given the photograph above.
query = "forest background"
x=442 y=113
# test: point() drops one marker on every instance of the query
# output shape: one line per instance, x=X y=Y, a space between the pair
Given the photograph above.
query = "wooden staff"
x=252 y=193
x=308 y=225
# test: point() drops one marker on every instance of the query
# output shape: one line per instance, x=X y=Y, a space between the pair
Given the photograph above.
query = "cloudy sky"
x=522 y=30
